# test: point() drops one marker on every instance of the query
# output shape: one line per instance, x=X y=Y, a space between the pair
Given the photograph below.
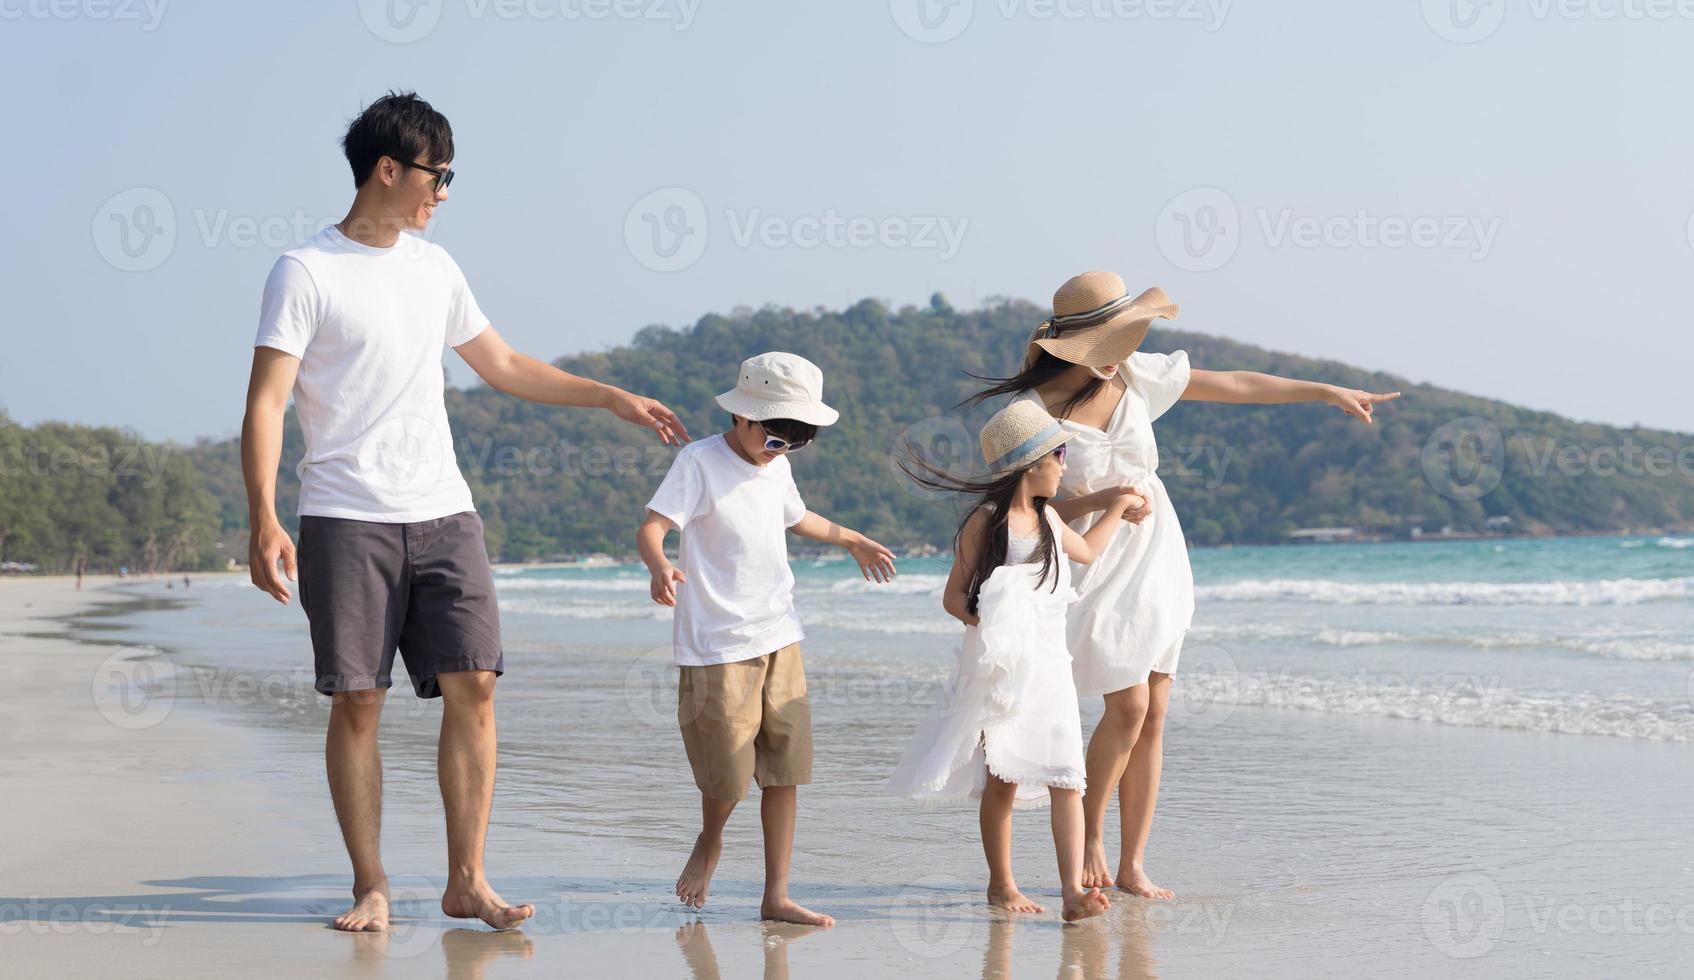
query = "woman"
x=1137 y=600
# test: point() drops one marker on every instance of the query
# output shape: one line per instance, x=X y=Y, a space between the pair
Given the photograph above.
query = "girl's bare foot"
x=1094 y=873
x=787 y=910
x=1009 y=898
x=1085 y=906
x=474 y=899
x=369 y=912
x=1136 y=882
x=696 y=875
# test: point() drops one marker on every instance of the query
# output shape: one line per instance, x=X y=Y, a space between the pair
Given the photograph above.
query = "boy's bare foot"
x=475 y=900
x=696 y=875
x=1136 y=882
x=1085 y=906
x=1094 y=873
x=787 y=910
x=1012 y=900
x=369 y=912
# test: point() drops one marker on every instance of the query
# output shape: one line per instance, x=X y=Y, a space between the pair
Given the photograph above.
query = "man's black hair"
x=398 y=125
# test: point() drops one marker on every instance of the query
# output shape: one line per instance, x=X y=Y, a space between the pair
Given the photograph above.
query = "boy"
x=741 y=698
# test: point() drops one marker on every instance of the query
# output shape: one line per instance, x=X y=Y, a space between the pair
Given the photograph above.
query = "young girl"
x=1008 y=729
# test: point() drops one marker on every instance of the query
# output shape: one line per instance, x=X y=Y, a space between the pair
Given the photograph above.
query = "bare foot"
x=1086 y=905
x=696 y=875
x=475 y=900
x=1136 y=882
x=369 y=912
x=1094 y=873
x=787 y=910
x=1012 y=900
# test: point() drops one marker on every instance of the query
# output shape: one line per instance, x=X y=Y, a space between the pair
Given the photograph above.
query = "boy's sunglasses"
x=777 y=444
x=442 y=175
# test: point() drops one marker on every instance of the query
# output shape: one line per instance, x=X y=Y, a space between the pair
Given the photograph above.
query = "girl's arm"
x=956 y=597
x=1084 y=548
x=1253 y=388
x=876 y=563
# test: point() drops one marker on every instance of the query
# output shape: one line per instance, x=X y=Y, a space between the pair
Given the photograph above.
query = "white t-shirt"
x=738 y=602
x=368 y=325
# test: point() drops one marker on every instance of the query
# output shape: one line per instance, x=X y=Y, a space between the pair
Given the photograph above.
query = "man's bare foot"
x=787 y=910
x=1094 y=873
x=475 y=900
x=1009 y=898
x=1136 y=882
x=696 y=875
x=1085 y=906
x=369 y=912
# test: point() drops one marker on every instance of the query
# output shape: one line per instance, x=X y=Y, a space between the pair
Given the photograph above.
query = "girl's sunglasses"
x=442 y=175
x=1059 y=453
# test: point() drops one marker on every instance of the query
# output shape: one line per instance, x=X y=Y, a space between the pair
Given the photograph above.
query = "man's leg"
x=465 y=764
x=354 y=763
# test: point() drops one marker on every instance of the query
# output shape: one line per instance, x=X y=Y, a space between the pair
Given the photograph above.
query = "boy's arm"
x=876 y=562
x=517 y=374
x=650 y=540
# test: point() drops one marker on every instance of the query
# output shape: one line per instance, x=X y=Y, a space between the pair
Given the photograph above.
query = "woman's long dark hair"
x=1046 y=368
x=993 y=494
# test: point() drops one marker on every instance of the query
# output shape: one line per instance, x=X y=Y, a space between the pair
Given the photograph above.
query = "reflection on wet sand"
x=696 y=948
x=1085 y=949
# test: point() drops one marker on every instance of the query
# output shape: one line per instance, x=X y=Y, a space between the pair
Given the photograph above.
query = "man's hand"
x=264 y=546
x=648 y=413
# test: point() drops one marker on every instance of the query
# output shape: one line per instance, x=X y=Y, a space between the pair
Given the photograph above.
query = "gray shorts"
x=424 y=588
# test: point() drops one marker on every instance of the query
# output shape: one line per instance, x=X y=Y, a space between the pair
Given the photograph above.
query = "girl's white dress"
x=1010 y=706
x=1136 y=601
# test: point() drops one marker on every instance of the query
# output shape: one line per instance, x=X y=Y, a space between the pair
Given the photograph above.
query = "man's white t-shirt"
x=738 y=600
x=369 y=325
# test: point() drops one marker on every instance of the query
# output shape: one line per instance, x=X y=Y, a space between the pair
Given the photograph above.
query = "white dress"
x=1136 y=601
x=1010 y=706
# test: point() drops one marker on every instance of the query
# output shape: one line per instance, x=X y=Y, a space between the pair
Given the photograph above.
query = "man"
x=391 y=548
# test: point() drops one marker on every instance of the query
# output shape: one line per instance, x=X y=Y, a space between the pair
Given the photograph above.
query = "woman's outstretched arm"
x=1253 y=388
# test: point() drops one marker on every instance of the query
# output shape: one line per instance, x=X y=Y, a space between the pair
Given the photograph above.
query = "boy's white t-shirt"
x=738 y=600
x=368 y=325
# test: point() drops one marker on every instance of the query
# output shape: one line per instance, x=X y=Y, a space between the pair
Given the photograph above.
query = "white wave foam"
x=1599 y=592
x=1675 y=543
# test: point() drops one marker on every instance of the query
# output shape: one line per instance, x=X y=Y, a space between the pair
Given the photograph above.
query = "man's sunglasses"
x=442 y=175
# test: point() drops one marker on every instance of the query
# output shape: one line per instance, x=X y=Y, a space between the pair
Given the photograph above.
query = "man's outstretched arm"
x=261 y=454
x=507 y=370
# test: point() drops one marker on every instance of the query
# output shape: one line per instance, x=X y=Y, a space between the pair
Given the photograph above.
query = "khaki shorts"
x=745 y=720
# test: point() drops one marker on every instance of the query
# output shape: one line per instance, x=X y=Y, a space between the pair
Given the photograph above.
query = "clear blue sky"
x=1532 y=181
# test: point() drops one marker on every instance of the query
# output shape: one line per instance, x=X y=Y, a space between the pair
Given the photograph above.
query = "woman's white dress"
x=1010 y=706
x=1136 y=601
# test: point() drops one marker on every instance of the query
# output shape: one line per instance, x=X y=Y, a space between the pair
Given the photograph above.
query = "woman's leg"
x=1108 y=754
x=1080 y=902
x=996 y=820
x=1138 y=792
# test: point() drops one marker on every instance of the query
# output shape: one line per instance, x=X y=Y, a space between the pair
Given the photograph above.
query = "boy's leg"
x=783 y=762
x=354 y=764
x=465 y=766
x=1080 y=902
x=717 y=711
x=994 y=818
x=696 y=877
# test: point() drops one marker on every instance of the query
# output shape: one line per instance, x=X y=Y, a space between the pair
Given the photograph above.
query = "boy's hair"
x=398 y=125
x=792 y=430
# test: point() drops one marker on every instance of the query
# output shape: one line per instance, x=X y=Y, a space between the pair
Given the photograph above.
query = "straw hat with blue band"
x=1020 y=434
x=1096 y=322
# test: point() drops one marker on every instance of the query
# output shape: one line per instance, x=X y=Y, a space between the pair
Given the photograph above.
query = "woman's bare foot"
x=785 y=909
x=369 y=912
x=1136 y=882
x=1009 y=898
x=1094 y=873
x=1085 y=906
x=475 y=900
x=696 y=875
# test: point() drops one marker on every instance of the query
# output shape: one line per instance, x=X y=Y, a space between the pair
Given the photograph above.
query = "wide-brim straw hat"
x=1020 y=434
x=779 y=385
x=1096 y=322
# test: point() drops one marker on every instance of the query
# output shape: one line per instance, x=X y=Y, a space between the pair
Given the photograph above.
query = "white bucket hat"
x=1020 y=434
x=779 y=385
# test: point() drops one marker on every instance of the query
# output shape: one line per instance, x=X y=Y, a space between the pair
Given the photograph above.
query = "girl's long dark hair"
x=994 y=494
x=1046 y=368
